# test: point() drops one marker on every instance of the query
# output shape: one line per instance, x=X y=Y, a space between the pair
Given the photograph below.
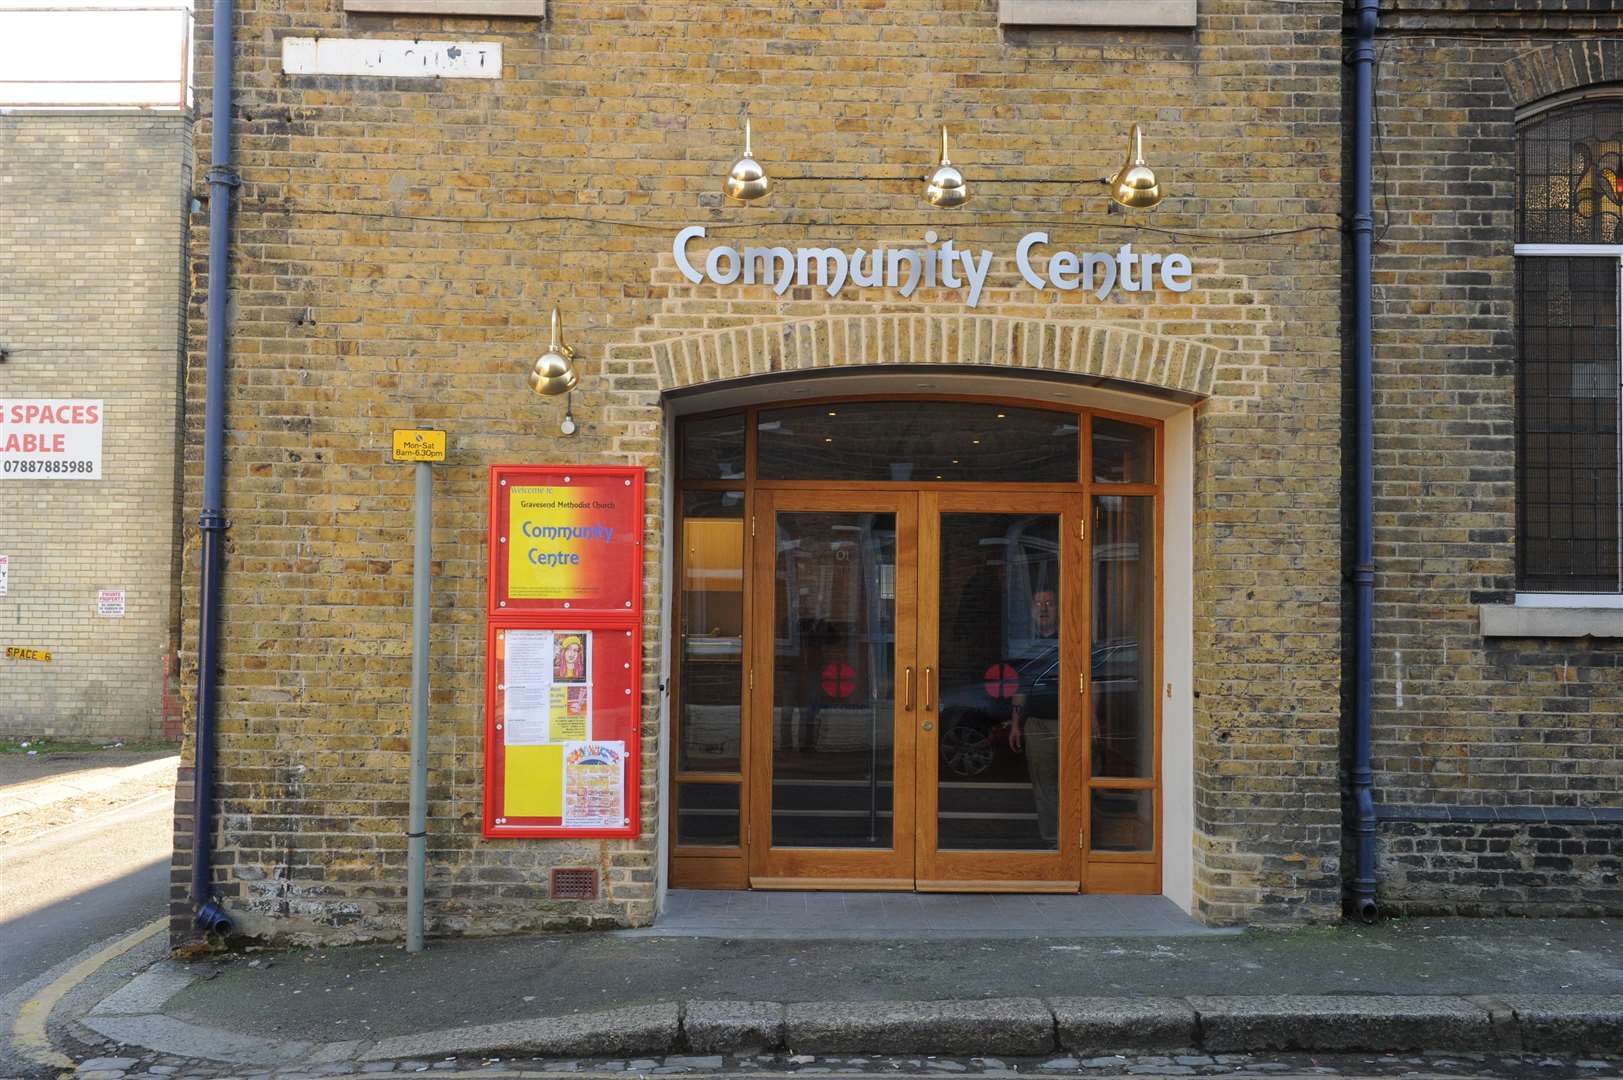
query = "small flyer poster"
x=5 y=573
x=567 y=715
x=110 y=603
x=548 y=687
x=594 y=784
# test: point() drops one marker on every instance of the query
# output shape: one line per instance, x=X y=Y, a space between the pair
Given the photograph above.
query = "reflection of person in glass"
x=569 y=659
x=1034 y=726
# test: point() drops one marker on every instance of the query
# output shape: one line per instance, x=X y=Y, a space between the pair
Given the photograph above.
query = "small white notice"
x=393 y=58
x=5 y=573
x=110 y=603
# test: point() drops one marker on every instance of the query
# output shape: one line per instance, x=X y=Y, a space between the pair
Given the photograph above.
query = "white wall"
x=1178 y=664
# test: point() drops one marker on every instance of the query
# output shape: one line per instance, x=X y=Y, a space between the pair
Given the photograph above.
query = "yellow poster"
x=560 y=544
x=571 y=706
x=534 y=782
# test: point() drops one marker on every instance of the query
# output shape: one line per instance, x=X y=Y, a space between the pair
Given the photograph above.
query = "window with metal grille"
x=1569 y=266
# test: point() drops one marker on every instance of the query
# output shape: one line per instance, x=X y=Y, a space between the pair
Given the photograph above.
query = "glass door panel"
x=998 y=784
x=1122 y=806
x=712 y=625
x=1001 y=765
x=839 y=677
x=1123 y=632
x=833 y=679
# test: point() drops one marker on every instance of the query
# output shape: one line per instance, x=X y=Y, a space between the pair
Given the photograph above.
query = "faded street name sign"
x=418 y=444
x=388 y=57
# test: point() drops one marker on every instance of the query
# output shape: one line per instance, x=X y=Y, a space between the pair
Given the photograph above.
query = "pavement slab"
x=378 y=991
x=335 y=1010
x=147 y=992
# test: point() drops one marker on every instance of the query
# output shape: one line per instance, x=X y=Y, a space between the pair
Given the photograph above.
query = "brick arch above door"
x=1076 y=347
x=1560 y=68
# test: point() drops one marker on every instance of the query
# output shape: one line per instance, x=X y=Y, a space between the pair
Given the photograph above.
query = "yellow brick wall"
x=428 y=226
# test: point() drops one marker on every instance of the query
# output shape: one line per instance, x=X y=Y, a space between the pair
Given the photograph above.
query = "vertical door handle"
x=907 y=702
x=929 y=696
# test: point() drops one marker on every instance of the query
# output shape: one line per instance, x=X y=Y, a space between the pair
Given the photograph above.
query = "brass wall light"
x=746 y=180
x=945 y=187
x=1135 y=186
x=554 y=373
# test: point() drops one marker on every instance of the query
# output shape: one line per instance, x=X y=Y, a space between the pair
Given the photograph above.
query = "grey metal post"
x=417 y=826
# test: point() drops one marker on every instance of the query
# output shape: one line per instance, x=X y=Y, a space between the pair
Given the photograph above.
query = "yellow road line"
x=28 y=1033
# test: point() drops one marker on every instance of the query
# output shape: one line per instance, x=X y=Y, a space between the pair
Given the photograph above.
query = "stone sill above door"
x=1522 y=621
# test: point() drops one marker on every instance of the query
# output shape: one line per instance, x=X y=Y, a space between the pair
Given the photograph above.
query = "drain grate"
x=574 y=883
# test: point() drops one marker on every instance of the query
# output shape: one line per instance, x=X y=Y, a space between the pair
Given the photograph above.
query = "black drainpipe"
x=211 y=916
x=1363 y=227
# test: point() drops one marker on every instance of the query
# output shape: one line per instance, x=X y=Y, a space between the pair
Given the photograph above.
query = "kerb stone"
x=733 y=1027
x=996 y=1026
x=1341 y=1022
x=1101 y=1025
x=639 y=1030
x=1569 y=1022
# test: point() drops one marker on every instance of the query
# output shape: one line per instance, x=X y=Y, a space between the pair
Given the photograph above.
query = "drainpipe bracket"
x=219 y=174
x=212 y=521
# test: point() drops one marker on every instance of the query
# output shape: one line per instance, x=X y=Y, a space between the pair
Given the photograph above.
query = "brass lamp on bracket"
x=554 y=373
x=746 y=180
x=945 y=187
x=1135 y=186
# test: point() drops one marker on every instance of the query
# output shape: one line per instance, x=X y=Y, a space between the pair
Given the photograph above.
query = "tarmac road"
x=73 y=886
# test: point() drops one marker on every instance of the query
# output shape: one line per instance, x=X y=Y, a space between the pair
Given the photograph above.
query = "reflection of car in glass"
x=975 y=714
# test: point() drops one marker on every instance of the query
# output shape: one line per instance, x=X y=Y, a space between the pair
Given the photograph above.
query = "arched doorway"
x=918 y=641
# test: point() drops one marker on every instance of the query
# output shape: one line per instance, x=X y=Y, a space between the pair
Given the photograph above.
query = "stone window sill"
x=1141 y=13
x=1508 y=620
x=518 y=9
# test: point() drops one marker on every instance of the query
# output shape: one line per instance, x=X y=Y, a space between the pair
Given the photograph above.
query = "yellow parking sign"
x=419 y=444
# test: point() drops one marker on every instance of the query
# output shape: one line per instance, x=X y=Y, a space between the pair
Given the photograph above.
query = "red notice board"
x=563 y=649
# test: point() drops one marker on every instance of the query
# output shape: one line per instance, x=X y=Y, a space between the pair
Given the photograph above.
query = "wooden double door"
x=926 y=705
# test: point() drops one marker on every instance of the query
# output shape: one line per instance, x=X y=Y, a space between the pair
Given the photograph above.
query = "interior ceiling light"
x=746 y=180
x=1135 y=186
x=945 y=187
x=554 y=373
